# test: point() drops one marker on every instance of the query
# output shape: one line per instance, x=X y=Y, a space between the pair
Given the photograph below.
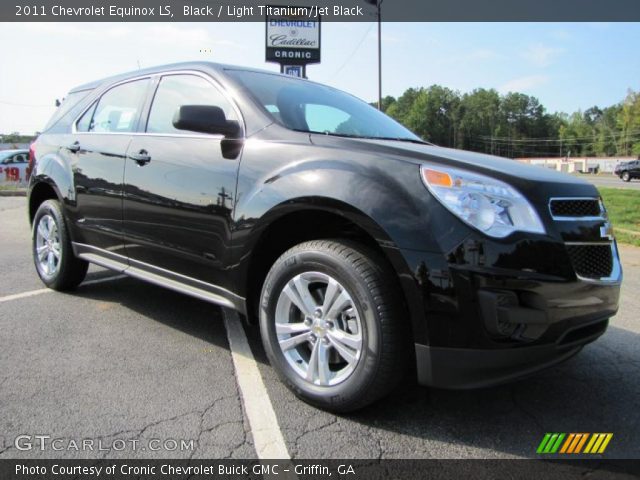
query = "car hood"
x=533 y=181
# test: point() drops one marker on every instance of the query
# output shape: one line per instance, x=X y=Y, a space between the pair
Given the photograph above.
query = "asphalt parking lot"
x=123 y=360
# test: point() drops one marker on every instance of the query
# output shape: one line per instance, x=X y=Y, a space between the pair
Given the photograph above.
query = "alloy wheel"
x=48 y=248
x=318 y=328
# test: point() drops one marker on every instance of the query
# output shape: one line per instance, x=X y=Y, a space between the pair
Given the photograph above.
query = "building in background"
x=578 y=164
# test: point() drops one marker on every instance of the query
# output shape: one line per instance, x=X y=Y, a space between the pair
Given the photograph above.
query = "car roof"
x=199 y=65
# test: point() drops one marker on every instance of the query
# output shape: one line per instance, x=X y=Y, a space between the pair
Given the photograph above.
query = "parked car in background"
x=13 y=166
x=357 y=247
x=628 y=170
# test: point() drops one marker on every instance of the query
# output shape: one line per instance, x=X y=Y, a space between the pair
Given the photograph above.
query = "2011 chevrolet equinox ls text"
x=356 y=246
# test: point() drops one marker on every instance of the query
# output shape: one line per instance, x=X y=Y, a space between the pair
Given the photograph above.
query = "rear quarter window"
x=72 y=100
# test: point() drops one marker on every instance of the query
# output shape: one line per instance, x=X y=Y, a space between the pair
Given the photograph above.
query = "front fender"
x=382 y=201
x=381 y=197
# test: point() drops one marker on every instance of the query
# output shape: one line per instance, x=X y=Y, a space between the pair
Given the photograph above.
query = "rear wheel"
x=332 y=325
x=57 y=266
x=626 y=177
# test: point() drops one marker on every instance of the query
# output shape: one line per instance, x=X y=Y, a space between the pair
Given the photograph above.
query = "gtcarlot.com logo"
x=574 y=443
x=46 y=442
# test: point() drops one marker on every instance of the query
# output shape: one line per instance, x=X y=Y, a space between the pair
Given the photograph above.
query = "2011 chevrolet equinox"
x=357 y=246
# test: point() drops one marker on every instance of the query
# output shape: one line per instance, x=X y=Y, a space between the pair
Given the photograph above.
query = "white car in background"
x=13 y=167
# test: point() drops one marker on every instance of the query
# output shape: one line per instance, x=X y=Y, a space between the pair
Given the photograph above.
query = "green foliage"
x=515 y=124
x=15 y=138
x=623 y=207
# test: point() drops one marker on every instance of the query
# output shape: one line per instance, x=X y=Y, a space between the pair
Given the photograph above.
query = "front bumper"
x=485 y=326
x=462 y=368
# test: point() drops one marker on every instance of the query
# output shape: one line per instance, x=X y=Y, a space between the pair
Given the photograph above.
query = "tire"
x=626 y=177
x=362 y=333
x=61 y=271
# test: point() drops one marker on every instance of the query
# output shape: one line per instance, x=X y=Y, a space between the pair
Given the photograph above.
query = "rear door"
x=179 y=189
x=98 y=149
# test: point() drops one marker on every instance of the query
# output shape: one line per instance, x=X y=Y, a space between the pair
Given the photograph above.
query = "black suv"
x=628 y=170
x=356 y=246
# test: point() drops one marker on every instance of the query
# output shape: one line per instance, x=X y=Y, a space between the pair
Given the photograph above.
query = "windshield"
x=310 y=107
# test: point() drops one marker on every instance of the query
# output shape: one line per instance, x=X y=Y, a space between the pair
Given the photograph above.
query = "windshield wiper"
x=366 y=137
x=401 y=139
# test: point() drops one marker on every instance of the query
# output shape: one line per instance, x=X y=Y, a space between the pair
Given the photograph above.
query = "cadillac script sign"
x=292 y=38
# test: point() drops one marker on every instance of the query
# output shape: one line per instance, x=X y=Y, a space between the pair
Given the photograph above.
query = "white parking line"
x=263 y=423
x=40 y=291
x=267 y=437
x=18 y=296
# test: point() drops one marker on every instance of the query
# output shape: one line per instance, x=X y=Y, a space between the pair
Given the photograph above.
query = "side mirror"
x=205 y=119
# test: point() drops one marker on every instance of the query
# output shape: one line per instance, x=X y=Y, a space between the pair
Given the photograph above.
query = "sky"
x=567 y=66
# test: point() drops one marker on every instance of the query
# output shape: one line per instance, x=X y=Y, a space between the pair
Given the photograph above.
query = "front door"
x=179 y=189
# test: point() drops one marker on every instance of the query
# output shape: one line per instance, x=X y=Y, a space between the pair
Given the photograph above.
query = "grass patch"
x=623 y=206
x=12 y=187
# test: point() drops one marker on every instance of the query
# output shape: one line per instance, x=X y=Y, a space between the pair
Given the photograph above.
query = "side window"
x=119 y=108
x=85 y=123
x=20 y=158
x=177 y=90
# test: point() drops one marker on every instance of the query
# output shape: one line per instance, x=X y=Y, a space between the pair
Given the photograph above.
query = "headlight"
x=491 y=206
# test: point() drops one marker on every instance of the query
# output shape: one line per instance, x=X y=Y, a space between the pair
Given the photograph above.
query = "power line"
x=556 y=139
x=558 y=142
x=354 y=50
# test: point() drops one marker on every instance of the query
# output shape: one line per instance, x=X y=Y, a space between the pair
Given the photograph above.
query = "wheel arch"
x=40 y=192
x=51 y=175
x=296 y=221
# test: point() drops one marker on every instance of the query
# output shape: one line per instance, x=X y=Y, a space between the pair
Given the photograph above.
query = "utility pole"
x=378 y=4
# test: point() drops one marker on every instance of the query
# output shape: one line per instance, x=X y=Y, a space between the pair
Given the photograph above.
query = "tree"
x=479 y=117
x=515 y=124
x=629 y=124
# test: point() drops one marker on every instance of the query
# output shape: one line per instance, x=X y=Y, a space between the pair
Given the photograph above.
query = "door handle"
x=74 y=147
x=141 y=158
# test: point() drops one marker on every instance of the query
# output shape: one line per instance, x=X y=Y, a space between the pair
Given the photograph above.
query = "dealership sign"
x=292 y=38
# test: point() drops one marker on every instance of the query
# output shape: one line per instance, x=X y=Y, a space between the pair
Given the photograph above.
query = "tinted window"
x=70 y=101
x=177 y=90
x=310 y=107
x=119 y=108
x=84 y=124
x=15 y=158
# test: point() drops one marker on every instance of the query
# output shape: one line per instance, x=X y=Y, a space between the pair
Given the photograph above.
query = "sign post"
x=292 y=40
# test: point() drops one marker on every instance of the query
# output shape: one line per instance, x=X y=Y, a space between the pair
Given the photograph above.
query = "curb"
x=13 y=193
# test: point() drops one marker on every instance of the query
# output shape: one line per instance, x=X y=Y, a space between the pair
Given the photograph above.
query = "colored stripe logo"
x=574 y=443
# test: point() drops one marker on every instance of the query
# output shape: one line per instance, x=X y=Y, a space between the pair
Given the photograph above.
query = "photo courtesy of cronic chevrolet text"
x=365 y=255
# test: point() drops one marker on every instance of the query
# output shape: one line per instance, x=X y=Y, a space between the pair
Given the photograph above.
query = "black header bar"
x=329 y=10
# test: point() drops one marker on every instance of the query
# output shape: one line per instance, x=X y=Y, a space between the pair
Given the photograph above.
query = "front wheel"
x=57 y=266
x=332 y=325
x=626 y=177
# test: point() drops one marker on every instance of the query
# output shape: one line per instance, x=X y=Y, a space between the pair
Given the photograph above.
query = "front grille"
x=575 y=207
x=591 y=261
